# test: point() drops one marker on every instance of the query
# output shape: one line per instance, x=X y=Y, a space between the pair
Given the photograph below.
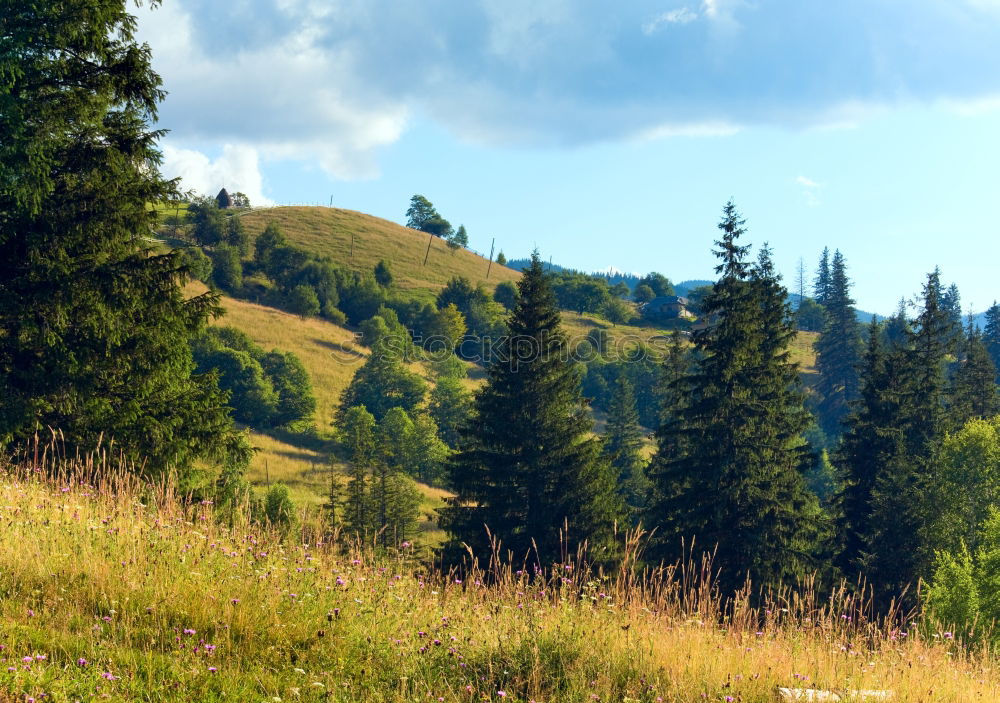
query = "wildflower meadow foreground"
x=115 y=590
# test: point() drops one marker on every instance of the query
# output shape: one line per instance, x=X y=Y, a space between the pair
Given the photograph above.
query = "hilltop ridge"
x=357 y=241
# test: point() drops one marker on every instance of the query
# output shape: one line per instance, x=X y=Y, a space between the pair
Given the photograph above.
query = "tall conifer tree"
x=991 y=333
x=974 y=392
x=94 y=325
x=623 y=445
x=821 y=285
x=528 y=462
x=873 y=441
x=727 y=472
x=838 y=351
x=894 y=454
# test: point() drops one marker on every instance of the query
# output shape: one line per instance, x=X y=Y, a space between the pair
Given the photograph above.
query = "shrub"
x=227 y=269
x=197 y=262
x=506 y=294
x=383 y=274
x=302 y=300
x=279 y=510
x=296 y=402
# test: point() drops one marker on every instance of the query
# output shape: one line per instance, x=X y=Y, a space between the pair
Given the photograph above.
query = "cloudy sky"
x=611 y=134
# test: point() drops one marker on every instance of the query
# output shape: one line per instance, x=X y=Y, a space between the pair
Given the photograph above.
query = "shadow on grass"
x=339 y=348
x=302 y=439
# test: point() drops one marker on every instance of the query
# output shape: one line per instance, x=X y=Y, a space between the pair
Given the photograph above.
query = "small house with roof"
x=667 y=307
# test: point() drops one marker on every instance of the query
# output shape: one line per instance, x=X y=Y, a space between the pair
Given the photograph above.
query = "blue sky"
x=612 y=134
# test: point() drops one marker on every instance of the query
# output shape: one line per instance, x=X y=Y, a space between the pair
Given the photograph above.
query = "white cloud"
x=237 y=169
x=973 y=108
x=332 y=82
x=809 y=190
x=703 y=129
x=683 y=15
x=290 y=99
x=985 y=4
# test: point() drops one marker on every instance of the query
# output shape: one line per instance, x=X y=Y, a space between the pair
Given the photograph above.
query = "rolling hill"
x=331 y=353
x=358 y=241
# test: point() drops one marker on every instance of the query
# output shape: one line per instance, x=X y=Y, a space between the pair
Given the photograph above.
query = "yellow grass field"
x=330 y=231
x=117 y=592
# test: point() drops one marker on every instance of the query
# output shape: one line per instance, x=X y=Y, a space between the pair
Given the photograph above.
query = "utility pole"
x=352 y=245
x=490 y=265
x=430 y=239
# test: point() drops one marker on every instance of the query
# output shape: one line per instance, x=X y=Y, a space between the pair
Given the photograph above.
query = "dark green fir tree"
x=873 y=441
x=838 y=351
x=728 y=470
x=529 y=464
x=974 y=382
x=821 y=286
x=94 y=324
x=893 y=452
x=991 y=333
x=623 y=446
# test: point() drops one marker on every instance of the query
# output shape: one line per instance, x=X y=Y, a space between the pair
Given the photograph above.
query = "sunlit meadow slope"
x=358 y=241
x=115 y=591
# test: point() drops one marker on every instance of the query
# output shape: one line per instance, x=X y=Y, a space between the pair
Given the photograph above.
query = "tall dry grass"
x=114 y=589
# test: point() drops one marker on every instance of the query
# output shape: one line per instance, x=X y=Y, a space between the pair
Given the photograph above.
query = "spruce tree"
x=529 y=464
x=382 y=382
x=93 y=322
x=728 y=469
x=929 y=348
x=974 y=392
x=357 y=436
x=623 y=446
x=676 y=365
x=873 y=440
x=951 y=303
x=894 y=453
x=821 y=285
x=838 y=351
x=991 y=333
x=897 y=328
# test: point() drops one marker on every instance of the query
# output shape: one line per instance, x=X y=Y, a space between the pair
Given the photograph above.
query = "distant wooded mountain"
x=684 y=288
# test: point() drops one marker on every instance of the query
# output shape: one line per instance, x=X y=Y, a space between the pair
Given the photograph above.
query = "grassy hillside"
x=329 y=231
x=331 y=354
x=116 y=592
